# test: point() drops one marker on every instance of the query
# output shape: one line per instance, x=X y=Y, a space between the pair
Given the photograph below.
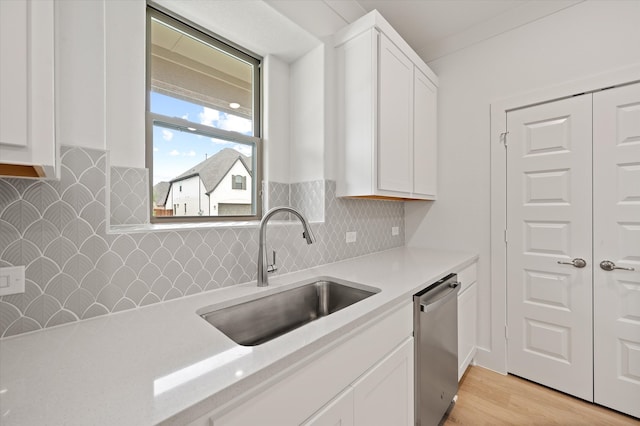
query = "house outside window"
x=203 y=126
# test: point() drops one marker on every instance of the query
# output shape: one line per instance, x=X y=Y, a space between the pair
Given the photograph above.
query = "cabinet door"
x=467 y=312
x=27 y=135
x=425 y=151
x=13 y=72
x=384 y=395
x=338 y=412
x=395 y=119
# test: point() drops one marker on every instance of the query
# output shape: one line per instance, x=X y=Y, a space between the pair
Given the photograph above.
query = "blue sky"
x=174 y=151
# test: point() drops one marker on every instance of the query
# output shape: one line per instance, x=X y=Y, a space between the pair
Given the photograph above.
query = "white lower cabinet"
x=384 y=395
x=467 y=318
x=338 y=412
x=367 y=379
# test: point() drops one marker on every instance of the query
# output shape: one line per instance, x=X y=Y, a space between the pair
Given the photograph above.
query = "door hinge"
x=505 y=236
x=503 y=138
x=506 y=332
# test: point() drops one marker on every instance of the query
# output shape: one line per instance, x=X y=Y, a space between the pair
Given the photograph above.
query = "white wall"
x=276 y=152
x=590 y=38
x=307 y=103
x=125 y=87
x=80 y=73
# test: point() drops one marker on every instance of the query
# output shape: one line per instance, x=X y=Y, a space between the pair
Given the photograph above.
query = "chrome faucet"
x=263 y=278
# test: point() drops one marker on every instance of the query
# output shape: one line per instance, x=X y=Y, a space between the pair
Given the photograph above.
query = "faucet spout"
x=307 y=234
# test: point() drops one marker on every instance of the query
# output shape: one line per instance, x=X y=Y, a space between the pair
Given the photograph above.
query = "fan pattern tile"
x=308 y=197
x=278 y=194
x=129 y=201
x=75 y=270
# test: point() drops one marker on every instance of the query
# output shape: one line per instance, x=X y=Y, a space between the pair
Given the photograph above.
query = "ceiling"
x=433 y=28
x=290 y=28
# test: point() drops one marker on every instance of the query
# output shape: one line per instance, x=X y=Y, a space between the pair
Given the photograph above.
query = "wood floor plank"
x=488 y=398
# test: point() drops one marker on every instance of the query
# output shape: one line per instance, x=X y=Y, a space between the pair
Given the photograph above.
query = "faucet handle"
x=273 y=267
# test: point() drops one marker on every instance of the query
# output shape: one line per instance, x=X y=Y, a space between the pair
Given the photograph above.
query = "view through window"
x=203 y=143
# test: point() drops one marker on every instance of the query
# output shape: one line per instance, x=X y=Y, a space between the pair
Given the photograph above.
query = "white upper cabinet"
x=386 y=114
x=27 y=121
x=395 y=119
x=425 y=138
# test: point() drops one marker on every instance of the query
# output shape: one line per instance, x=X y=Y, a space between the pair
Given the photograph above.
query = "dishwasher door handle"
x=431 y=305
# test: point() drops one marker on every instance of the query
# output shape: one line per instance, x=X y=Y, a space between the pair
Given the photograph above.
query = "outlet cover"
x=351 y=237
x=395 y=230
x=11 y=280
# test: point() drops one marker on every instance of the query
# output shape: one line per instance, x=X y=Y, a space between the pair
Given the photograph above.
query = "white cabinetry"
x=384 y=395
x=425 y=138
x=370 y=372
x=467 y=317
x=27 y=125
x=395 y=119
x=386 y=114
x=337 y=412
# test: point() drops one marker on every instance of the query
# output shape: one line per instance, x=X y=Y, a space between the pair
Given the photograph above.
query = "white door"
x=549 y=305
x=616 y=150
x=395 y=115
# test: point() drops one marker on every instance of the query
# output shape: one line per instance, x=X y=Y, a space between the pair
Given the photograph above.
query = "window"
x=203 y=126
x=238 y=182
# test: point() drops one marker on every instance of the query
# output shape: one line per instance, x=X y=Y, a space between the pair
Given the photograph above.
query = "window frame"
x=154 y=10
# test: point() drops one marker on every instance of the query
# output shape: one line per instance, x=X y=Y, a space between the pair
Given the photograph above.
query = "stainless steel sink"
x=257 y=321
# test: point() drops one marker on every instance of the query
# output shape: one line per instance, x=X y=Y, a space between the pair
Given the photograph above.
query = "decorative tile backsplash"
x=75 y=270
x=129 y=201
x=308 y=197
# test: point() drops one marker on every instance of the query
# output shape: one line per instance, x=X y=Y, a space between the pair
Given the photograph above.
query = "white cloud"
x=243 y=149
x=236 y=124
x=191 y=153
x=155 y=149
x=212 y=117
x=174 y=153
x=209 y=117
x=185 y=117
x=167 y=135
x=219 y=141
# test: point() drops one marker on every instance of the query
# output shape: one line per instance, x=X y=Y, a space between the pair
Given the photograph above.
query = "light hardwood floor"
x=489 y=398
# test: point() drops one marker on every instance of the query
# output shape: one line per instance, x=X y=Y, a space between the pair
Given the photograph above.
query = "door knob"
x=577 y=262
x=608 y=265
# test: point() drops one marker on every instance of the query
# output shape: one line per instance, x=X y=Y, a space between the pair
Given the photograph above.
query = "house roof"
x=214 y=168
x=160 y=191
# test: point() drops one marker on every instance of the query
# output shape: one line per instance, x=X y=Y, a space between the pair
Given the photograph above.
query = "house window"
x=238 y=182
x=203 y=126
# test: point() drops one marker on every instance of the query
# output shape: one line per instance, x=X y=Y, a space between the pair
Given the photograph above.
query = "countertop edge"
x=226 y=400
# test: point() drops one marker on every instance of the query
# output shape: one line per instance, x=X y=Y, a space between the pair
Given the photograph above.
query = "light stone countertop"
x=163 y=363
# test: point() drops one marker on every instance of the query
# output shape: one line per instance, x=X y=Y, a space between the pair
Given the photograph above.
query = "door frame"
x=495 y=356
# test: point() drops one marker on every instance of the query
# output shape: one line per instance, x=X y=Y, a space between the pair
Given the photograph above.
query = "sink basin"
x=260 y=320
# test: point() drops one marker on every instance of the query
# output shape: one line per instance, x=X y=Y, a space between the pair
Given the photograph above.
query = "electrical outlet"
x=395 y=230
x=11 y=280
x=351 y=237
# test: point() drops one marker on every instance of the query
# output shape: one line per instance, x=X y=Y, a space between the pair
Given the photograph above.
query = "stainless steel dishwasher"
x=435 y=317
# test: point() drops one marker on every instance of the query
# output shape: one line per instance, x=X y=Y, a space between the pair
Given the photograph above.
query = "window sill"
x=173 y=227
